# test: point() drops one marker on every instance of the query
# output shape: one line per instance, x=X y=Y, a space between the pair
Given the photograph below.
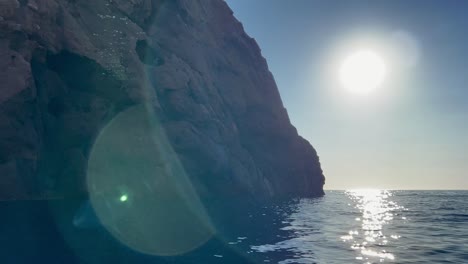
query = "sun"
x=362 y=72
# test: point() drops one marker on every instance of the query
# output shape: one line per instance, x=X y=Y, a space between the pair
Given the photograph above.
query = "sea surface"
x=374 y=226
x=360 y=226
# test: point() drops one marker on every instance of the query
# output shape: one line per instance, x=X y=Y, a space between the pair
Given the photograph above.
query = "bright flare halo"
x=362 y=72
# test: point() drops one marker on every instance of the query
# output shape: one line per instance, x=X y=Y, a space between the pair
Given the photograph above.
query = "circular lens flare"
x=140 y=191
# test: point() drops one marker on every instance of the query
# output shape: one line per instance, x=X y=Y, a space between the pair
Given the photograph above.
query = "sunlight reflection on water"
x=350 y=230
x=377 y=211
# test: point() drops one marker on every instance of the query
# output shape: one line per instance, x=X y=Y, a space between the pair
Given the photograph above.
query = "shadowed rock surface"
x=68 y=67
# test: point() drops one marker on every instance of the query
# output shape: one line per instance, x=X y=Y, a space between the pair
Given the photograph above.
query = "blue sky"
x=412 y=132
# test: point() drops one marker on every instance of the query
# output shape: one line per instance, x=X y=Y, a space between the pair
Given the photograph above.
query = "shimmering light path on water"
x=377 y=212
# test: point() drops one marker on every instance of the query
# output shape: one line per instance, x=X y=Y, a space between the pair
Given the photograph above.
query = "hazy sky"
x=411 y=132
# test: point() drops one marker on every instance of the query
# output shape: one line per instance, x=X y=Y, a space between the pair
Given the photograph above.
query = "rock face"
x=68 y=67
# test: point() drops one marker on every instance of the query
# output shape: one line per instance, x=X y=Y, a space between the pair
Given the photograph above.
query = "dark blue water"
x=370 y=226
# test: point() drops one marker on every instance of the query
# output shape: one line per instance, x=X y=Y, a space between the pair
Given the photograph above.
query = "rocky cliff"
x=68 y=67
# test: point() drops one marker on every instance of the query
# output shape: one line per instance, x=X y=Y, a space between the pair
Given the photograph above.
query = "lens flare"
x=140 y=191
x=123 y=198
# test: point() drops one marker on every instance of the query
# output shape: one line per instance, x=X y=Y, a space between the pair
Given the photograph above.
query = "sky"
x=411 y=132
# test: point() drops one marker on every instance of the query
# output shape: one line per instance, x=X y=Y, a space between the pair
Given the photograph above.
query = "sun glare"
x=362 y=72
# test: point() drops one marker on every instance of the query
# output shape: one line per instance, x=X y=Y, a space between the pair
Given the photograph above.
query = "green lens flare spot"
x=123 y=198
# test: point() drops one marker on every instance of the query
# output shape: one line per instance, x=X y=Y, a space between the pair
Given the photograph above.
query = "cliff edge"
x=68 y=67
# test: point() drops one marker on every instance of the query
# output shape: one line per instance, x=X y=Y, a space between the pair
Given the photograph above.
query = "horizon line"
x=394 y=189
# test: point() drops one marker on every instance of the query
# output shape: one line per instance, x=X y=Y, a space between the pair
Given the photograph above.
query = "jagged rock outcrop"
x=68 y=67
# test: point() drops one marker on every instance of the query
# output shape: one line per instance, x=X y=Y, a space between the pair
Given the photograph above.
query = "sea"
x=355 y=226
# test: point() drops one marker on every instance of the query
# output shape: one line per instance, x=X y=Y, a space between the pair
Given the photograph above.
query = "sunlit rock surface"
x=67 y=68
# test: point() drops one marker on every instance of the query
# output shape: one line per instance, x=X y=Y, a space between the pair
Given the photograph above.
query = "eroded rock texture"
x=67 y=67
